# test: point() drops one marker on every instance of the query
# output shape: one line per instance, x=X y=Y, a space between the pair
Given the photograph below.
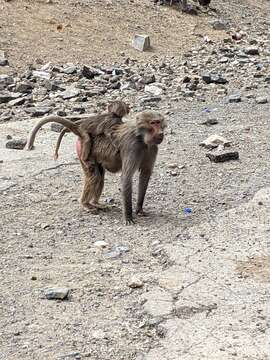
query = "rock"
x=141 y=42
x=24 y=87
x=149 y=99
x=236 y=98
x=7 y=96
x=261 y=100
x=148 y=79
x=128 y=86
x=252 y=50
x=69 y=93
x=153 y=89
x=53 y=85
x=117 y=71
x=5 y=80
x=57 y=127
x=222 y=157
x=56 y=293
x=90 y=73
x=214 y=141
x=41 y=74
x=17 y=144
x=135 y=282
x=100 y=244
x=219 y=24
x=98 y=334
x=96 y=91
x=17 y=102
x=3 y=58
x=209 y=78
x=209 y=122
x=116 y=251
x=38 y=110
x=69 y=69
x=115 y=85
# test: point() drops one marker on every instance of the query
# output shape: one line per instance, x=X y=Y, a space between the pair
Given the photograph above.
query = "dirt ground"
x=52 y=243
x=94 y=31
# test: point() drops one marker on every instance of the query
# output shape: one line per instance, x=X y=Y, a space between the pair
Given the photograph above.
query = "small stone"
x=226 y=156
x=252 y=50
x=17 y=144
x=70 y=93
x=69 y=69
x=153 y=89
x=148 y=79
x=17 y=102
x=209 y=122
x=56 y=293
x=116 y=251
x=5 y=80
x=7 y=96
x=213 y=78
x=135 y=283
x=236 y=98
x=101 y=244
x=41 y=74
x=38 y=110
x=261 y=100
x=214 y=141
x=219 y=24
x=149 y=99
x=141 y=42
x=3 y=58
x=99 y=334
x=173 y=166
x=24 y=87
x=90 y=73
x=53 y=85
x=56 y=127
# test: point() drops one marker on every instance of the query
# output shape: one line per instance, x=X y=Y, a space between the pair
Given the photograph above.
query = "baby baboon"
x=86 y=129
x=135 y=148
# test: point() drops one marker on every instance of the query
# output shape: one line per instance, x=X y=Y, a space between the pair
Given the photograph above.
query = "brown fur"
x=135 y=148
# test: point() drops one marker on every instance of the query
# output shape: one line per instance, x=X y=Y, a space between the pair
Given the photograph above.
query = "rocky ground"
x=191 y=281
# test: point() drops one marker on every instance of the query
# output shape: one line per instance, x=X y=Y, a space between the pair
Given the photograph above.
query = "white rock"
x=214 y=141
x=141 y=42
x=135 y=282
x=101 y=244
x=153 y=89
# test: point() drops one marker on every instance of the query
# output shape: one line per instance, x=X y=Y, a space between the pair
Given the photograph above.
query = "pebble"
x=56 y=293
x=17 y=144
x=222 y=157
x=261 y=100
x=101 y=244
x=214 y=141
x=3 y=58
x=236 y=98
x=135 y=282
